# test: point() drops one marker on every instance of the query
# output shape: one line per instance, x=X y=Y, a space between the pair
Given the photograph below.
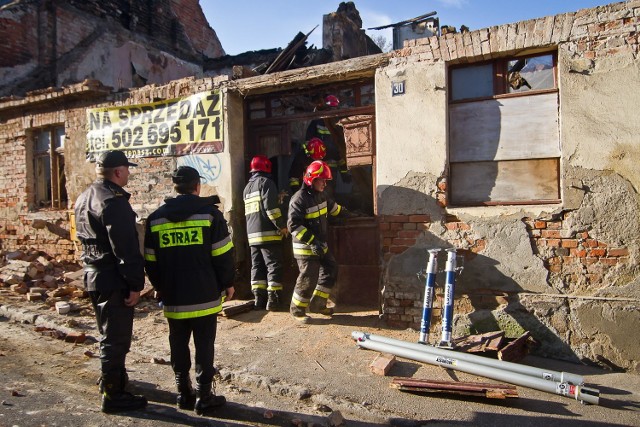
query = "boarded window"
x=48 y=166
x=504 y=145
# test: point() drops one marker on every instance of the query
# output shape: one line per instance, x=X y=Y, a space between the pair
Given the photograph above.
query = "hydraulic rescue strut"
x=429 y=290
x=450 y=359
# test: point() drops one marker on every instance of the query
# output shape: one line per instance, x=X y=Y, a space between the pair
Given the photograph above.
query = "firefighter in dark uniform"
x=190 y=263
x=324 y=130
x=113 y=272
x=266 y=226
x=313 y=149
x=308 y=211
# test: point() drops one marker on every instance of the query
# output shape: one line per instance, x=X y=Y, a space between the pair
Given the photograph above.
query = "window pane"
x=59 y=138
x=43 y=180
x=43 y=141
x=367 y=95
x=535 y=73
x=472 y=82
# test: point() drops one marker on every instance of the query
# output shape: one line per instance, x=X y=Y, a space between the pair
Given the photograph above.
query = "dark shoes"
x=206 y=401
x=114 y=398
x=186 y=395
x=319 y=305
x=273 y=301
x=121 y=401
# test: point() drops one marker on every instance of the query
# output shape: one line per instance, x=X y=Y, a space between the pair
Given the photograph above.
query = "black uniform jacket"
x=106 y=226
x=307 y=222
x=262 y=211
x=189 y=255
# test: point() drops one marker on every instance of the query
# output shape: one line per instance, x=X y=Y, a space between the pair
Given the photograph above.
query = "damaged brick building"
x=513 y=144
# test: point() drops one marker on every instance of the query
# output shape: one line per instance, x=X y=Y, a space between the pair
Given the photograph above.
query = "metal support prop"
x=429 y=289
x=451 y=361
x=449 y=288
x=545 y=374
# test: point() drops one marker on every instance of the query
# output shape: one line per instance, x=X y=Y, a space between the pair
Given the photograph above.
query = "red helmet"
x=260 y=163
x=331 y=101
x=317 y=169
x=315 y=148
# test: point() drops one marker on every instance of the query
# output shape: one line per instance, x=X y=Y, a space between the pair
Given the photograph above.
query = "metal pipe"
x=580 y=393
x=449 y=287
x=429 y=289
x=545 y=374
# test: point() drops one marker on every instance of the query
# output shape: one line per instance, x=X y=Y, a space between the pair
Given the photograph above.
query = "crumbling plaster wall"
x=567 y=273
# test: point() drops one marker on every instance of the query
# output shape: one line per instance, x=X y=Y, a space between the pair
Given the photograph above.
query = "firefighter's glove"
x=318 y=249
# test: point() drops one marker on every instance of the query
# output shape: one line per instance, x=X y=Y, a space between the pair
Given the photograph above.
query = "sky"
x=245 y=25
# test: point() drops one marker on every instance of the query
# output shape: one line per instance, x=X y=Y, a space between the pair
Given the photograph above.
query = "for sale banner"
x=176 y=127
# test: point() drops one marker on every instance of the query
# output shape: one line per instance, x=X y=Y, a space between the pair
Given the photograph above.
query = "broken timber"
x=491 y=391
x=232 y=310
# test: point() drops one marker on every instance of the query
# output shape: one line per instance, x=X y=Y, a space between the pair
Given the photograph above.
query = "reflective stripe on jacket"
x=262 y=210
x=189 y=256
x=308 y=212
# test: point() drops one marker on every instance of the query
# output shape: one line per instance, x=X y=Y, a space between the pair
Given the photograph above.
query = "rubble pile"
x=34 y=276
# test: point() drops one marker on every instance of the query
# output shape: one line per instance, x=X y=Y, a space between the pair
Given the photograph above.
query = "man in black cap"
x=113 y=272
x=189 y=259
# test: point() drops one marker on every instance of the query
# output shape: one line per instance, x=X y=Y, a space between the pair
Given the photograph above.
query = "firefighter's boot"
x=319 y=305
x=273 y=301
x=206 y=401
x=260 y=299
x=299 y=314
x=115 y=399
x=186 y=395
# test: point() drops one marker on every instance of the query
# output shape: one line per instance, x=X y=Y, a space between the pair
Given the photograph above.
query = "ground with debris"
x=274 y=371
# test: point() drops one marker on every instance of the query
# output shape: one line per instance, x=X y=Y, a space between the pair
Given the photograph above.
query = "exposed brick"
x=419 y=218
x=615 y=252
x=569 y=243
x=540 y=224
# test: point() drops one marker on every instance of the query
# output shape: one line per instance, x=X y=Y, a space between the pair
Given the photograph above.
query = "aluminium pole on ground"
x=580 y=393
x=449 y=289
x=545 y=374
x=429 y=290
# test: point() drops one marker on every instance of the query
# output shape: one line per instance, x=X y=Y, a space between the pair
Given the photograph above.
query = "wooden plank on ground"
x=491 y=391
x=490 y=341
x=232 y=310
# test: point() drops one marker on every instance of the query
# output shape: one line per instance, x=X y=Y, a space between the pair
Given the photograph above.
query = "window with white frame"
x=504 y=145
x=48 y=168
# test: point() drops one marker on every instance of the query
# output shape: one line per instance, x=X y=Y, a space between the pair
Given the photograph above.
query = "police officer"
x=190 y=263
x=113 y=272
x=266 y=226
x=309 y=209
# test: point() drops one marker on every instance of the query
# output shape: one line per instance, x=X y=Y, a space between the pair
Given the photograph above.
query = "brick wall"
x=576 y=261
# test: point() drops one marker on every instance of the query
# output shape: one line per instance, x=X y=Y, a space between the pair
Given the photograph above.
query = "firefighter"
x=266 y=227
x=113 y=272
x=190 y=263
x=325 y=130
x=308 y=211
x=313 y=149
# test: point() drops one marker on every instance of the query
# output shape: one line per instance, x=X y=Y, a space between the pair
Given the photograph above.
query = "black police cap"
x=113 y=159
x=185 y=174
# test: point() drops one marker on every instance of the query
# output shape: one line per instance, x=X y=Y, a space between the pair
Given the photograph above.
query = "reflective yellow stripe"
x=336 y=210
x=316 y=214
x=265 y=239
x=321 y=294
x=181 y=224
x=222 y=250
x=150 y=257
x=192 y=314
